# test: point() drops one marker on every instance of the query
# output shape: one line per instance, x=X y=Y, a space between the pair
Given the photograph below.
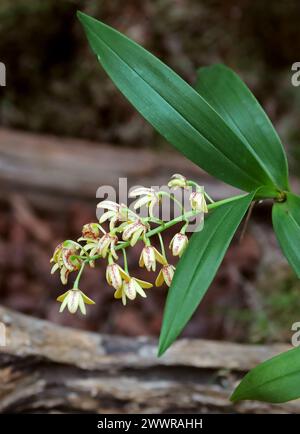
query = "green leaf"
x=286 y=223
x=275 y=380
x=175 y=109
x=198 y=266
x=231 y=98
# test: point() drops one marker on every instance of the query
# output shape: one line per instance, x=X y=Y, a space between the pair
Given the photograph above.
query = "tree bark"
x=49 y=368
x=46 y=167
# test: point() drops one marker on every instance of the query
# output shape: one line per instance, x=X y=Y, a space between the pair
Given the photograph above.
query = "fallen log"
x=49 y=368
x=43 y=166
x=52 y=171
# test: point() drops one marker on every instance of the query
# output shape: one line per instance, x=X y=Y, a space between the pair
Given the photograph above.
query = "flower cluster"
x=124 y=228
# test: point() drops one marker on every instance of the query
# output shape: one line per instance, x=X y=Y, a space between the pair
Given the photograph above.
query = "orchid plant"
x=221 y=127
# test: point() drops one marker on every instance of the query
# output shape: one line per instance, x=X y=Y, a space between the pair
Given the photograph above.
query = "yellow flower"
x=131 y=286
x=74 y=299
x=65 y=260
x=133 y=231
x=165 y=275
x=102 y=247
x=149 y=256
x=115 y=212
x=115 y=275
x=178 y=244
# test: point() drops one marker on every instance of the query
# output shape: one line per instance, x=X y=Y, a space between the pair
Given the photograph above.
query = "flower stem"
x=76 y=283
x=208 y=197
x=173 y=198
x=125 y=260
x=161 y=245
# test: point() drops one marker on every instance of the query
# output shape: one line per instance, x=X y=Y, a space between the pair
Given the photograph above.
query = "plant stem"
x=223 y=201
x=125 y=260
x=186 y=216
x=208 y=197
x=75 y=286
x=161 y=245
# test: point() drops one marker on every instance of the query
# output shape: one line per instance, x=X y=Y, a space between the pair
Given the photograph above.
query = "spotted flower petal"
x=165 y=275
x=178 y=244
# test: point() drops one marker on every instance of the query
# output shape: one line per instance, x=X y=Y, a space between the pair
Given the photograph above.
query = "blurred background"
x=65 y=130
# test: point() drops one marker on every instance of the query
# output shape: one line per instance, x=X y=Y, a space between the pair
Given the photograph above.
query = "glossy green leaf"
x=198 y=266
x=286 y=223
x=275 y=380
x=232 y=99
x=175 y=109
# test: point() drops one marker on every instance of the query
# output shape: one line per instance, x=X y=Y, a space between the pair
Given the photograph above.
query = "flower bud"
x=178 y=244
x=91 y=231
x=149 y=256
x=198 y=202
x=113 y=276
x=177 y=180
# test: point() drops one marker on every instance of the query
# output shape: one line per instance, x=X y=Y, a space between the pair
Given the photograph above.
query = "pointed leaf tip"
x=160 y=352
x=80 y=15
x=233 y=100
x=234 y=396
